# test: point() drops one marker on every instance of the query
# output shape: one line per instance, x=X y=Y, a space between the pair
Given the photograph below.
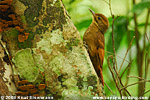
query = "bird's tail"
x=101 y=76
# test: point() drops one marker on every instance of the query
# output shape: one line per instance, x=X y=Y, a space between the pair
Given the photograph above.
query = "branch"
x=110 y=9
x=113 y=75
x=146 y=24
x=147 y=91
x=113 y=41
x=139 y=54
x=117 y=56
x=126 y=68
x=146 y=70
x=136 y=77
x=115 y=69
x=106 y=2
x=121 y=82
x=146 y=65
x=147 y=37
x=129 y=40
x=109 y=88
x=136 y=83
x=126 y=53
x=136 y=29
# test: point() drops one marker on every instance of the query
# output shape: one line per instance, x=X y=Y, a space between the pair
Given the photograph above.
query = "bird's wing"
x=100 y=51
x=100 y=58
x=101 y=54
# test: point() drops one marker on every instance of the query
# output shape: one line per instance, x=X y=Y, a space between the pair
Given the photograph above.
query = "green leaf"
x=140 y=6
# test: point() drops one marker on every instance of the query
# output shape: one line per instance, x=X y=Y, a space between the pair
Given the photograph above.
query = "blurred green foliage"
x=119 y=30
x=141 y=6
x=123 y=33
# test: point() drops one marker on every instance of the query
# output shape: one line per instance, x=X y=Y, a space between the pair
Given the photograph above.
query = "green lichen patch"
x=44 y=45
x=49 y=40
x=70 y=82
x=62 y=65
x=25 y=65
x=71 y=94
x=57 y=64
x=40 y=62
x=75 y=94
x=40 y=79
x=56 y=37
x=75 y=57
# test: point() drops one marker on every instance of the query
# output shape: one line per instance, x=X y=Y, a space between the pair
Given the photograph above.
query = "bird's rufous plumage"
x=95 y=42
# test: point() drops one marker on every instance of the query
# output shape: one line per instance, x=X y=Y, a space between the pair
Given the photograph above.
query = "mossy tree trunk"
x=45 y=48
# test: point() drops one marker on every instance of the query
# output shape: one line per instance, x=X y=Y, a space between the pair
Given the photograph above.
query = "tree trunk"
x=41 y=46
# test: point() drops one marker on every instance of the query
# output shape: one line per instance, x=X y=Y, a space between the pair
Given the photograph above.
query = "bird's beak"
x=93 y=13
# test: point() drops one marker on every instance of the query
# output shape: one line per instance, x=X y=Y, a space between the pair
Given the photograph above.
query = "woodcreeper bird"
x=95 y=42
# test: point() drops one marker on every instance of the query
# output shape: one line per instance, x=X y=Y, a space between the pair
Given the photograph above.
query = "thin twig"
x=121 y=82
x=106 y=2
x=126 y=53
x=136 y=77
x=129 y=40
x=118 y=78
x=147 y=91
x=110 y=8
x=146 y=70
x=125 y=88
x=109 y=88
x=113 y=41
x=136 y=29
x=144 y=46
x=126 y=69
x=117 y=56
x=146 y=65
x=113 y=75
x=139 y=54
x=147 y=38
x=115 y=68
x=146 y=24
x=135 y=83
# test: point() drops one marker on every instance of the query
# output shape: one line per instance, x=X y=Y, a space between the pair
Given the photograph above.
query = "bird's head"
x=100 y=21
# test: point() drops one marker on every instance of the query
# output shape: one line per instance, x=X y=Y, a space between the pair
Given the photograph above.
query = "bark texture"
x=51 y=53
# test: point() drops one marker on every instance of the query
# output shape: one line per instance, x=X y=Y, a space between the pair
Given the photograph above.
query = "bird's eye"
x=99 y=18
